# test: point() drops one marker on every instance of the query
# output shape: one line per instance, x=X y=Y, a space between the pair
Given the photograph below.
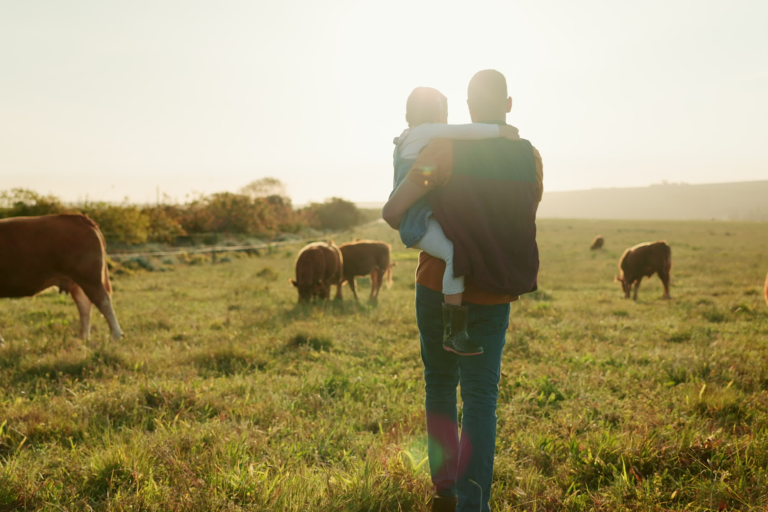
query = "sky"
x=122 y=99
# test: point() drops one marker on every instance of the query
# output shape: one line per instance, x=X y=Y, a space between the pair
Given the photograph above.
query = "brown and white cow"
x=318 y=267
x=364 y=257
x=67 y=251
x=597 y=243
x=766 y=289
x=644 y=260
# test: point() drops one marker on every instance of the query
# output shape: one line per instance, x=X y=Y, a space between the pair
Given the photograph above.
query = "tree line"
x=261 y=209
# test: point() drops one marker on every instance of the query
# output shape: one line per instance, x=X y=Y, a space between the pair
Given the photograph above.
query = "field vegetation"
x=260 y=209
x=227 y=395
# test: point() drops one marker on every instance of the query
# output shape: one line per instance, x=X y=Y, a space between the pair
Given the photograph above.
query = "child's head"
x=426 y=105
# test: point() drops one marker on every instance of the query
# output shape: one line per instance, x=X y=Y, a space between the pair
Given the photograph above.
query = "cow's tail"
x=668 y=261
x=107 y=282
x=386 y=264
x=105 y=266
x=388 y=276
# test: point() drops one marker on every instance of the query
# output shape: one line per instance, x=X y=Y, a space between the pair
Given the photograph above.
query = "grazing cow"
x=364 y=257
x=766 y=289
x=67 y=251
x=318 y=267
x=597 y=243
x=644 y=260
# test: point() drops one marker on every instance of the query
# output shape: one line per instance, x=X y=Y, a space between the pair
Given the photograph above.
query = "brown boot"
x=455 y=337
x=444 y=504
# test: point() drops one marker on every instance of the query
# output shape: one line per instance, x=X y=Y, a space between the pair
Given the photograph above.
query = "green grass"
x=226 y=395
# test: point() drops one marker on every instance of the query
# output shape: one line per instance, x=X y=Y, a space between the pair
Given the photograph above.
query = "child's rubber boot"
x=455 y=337
x=444 y=504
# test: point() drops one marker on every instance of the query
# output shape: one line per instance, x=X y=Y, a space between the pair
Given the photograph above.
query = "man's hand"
x=404 y=197
x=509 y=132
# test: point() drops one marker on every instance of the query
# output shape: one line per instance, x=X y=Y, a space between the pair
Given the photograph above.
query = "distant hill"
x=720 y=201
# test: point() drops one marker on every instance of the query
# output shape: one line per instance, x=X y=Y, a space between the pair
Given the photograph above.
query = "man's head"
x=487 y=97
x=426 y=105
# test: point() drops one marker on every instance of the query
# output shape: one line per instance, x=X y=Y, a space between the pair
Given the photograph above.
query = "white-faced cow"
x=364 y=257
x=766 y=289
x=644 y=260
x=66 y=251
x=318 y=267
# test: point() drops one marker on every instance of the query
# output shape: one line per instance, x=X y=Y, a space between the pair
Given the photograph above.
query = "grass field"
x=225 y=395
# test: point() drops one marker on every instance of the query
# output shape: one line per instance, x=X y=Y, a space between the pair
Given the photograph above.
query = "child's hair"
x=425 y=105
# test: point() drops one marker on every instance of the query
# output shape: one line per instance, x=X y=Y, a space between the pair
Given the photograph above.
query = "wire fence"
x=213 y=250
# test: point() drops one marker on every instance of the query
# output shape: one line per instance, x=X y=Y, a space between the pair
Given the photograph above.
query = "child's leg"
x=455 y=337
x=435 y=243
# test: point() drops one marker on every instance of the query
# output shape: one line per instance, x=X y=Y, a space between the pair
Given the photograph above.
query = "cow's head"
x=307 y=290
x=626 y=285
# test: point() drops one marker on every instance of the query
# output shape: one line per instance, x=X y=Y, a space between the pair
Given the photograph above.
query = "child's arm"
x=419 y=136
x=474 y=131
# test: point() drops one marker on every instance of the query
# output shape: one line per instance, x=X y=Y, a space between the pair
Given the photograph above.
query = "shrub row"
x=243 y=213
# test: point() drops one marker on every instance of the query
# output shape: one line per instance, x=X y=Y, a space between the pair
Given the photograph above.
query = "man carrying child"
x=484 y=194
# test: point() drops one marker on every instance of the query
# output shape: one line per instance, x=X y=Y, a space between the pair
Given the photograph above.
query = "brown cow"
x=644 y=260
x=364 y=257
x=318 y=267
x=67 y=251
x=597 y=243
x=766 y=289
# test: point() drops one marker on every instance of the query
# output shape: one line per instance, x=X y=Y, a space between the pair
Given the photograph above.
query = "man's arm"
x=406 y=194
x=431 y=169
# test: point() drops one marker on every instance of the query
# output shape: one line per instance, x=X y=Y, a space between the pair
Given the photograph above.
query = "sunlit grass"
x=226 y=395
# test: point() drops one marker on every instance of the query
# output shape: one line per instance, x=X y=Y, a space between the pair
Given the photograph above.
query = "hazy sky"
x=107 y=99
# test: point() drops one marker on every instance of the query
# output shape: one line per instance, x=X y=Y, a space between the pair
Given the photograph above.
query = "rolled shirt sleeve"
x=434 y=166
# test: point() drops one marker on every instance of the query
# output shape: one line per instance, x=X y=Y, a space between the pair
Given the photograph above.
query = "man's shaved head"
x=487 y=96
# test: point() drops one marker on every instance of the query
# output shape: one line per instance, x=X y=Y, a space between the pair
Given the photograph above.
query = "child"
x=427 y=117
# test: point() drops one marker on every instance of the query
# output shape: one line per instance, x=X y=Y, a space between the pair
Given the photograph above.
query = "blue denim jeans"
x=463 y=465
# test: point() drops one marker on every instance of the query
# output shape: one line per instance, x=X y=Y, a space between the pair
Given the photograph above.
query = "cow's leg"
x=353 y=287
x=380 y=281
x=325 y=292
x=374 y=280
x=637 y=287
x=376 y=283
x=664 y=277
x=84 y=305
x=338 y=290
x=103 y=302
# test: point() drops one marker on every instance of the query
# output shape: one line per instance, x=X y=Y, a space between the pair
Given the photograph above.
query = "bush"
x=240 y=214
x=260 y=209
x=20 y=202
x=164 y=223
x=123 y=223
x=335 y=214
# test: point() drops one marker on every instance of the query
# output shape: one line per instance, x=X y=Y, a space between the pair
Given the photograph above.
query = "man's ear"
x=509 y=104
x=294 y=283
